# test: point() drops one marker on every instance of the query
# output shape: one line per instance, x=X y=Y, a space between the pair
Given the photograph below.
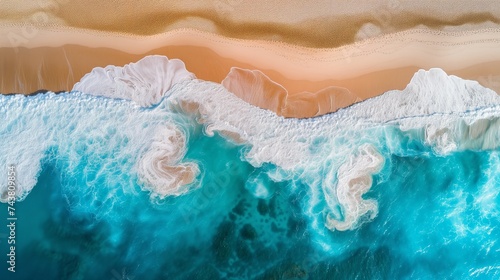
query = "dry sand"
x=321 y=23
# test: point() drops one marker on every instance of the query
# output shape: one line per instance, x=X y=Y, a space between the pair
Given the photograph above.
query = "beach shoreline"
x=56 y=58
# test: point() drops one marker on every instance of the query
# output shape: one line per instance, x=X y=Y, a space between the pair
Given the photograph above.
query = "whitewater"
x=151 y=159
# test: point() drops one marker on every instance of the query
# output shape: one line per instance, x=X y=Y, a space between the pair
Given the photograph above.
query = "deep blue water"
x=438 y=218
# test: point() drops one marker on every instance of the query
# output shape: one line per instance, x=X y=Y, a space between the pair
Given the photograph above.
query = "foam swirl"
x=354 y=180
x=159 y=168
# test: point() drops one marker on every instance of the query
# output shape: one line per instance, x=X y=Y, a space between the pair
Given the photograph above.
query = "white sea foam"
x=145 y=82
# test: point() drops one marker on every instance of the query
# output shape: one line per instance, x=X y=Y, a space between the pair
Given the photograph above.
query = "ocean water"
x=108 y=189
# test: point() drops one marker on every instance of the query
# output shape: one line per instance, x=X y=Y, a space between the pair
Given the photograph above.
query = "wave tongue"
x=144 y=82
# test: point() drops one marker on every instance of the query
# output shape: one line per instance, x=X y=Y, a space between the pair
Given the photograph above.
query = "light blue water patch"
x=439 y=218
x=441 y=214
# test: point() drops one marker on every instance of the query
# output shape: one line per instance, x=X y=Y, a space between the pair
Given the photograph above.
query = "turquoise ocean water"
x=89 y=216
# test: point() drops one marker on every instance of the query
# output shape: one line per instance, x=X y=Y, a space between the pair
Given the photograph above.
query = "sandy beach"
x=322 y=24
x=284 y=63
